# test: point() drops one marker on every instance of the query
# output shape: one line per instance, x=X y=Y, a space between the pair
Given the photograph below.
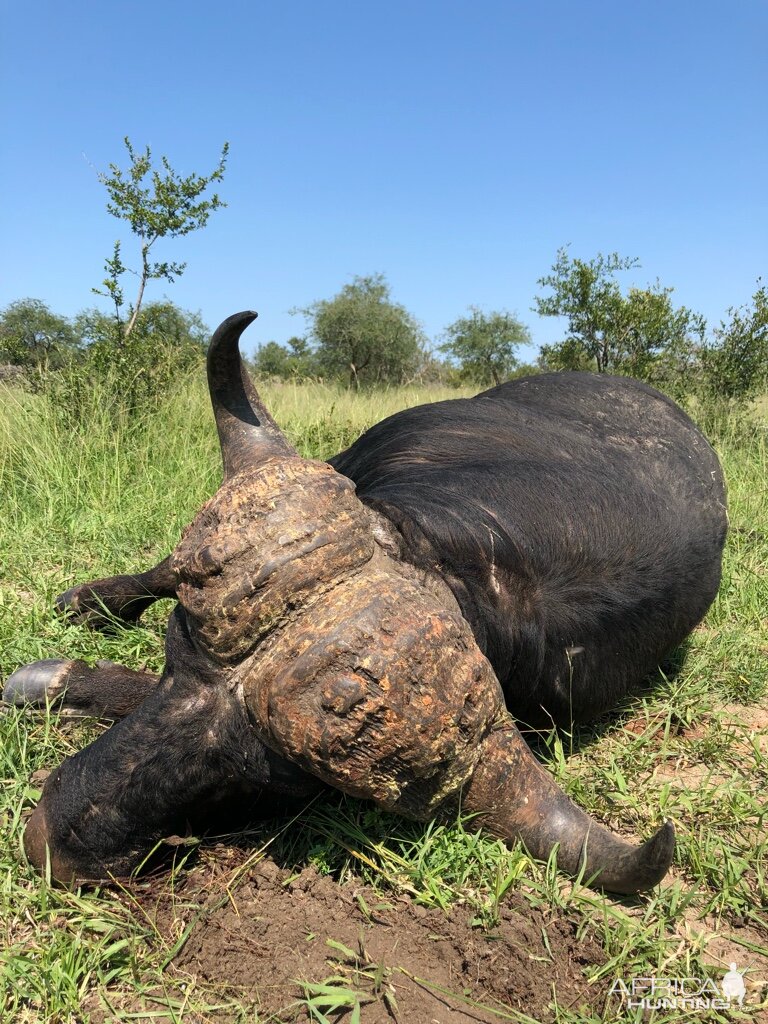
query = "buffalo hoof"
x=37 y=684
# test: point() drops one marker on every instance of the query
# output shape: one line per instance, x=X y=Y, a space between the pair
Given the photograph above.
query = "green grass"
x=108 y=496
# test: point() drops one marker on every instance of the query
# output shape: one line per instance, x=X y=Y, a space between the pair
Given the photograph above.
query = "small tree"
x=295 y=359
x=657 y=342
x=32 y=335
x=569 y=354
x=363 y=335
x=484 y=345
x=588 y=296
x=271 y=360
x=735 y=366
x=157 y=203
x=641 y=334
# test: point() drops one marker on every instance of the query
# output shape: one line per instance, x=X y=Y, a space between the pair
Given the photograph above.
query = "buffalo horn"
x=247 y=433
x=515 y=798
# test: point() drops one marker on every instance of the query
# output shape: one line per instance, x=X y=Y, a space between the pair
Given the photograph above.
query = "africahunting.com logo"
x=682 y=993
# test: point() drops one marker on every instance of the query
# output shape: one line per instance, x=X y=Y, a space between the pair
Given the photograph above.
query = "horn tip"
x=652 y=861
x=660 y=848
x=242 y=319
x=227 y=334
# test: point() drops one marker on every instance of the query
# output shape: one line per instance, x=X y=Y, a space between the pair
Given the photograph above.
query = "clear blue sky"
x=452 y=146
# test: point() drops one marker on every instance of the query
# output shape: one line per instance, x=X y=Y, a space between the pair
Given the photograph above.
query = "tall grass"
x=111 y=493
x=110 y=483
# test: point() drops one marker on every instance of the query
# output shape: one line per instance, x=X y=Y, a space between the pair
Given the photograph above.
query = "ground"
x=398 y=959
x=340 y=912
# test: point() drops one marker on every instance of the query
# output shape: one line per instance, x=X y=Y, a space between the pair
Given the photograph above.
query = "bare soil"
x=262 y=937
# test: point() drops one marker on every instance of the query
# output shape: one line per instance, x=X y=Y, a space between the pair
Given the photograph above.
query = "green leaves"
x=640 y=334
x=32 y=335
x=111 y=283
x=363 y=335
x=484 y=345
x=292 y=361
x=168 y=203
x=736 y=365
x=156 y=203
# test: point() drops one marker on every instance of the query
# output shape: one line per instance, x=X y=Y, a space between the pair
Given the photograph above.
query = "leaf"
x=350 y=954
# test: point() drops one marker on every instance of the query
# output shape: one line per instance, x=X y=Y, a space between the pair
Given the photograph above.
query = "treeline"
x=66 y=356
x=34 y=337
x=363 y=338
x=641 y=333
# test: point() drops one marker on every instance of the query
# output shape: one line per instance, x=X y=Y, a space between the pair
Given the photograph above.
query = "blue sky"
x=451 y=146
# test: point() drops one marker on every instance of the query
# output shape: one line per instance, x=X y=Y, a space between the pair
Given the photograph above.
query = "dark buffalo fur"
x=578 y=519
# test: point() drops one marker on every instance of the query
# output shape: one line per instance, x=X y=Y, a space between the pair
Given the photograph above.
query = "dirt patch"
x=748 y=723
x=263 y=937
x=738 y=943
x=742 y=728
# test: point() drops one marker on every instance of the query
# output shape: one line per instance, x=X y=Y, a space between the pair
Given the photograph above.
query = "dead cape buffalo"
x=379 y=622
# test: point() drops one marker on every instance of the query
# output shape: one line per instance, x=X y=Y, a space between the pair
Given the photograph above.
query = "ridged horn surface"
x=382 y=692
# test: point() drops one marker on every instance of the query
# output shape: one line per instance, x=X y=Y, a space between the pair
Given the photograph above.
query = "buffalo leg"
x=104 y=691
x=122 y=598
x=187 y=748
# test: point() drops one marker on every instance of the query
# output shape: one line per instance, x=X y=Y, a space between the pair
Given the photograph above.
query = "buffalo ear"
x=247 y=433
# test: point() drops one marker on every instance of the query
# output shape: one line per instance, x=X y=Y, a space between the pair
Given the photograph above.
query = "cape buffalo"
x=378 y=623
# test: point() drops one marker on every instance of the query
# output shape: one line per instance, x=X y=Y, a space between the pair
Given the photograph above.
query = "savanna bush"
x=129 y=379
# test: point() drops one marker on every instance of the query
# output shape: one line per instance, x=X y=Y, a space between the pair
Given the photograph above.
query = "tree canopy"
x=157 y=203
x=484 y=345
x=361 y=334
x=735 y=365
x=162 y=321
x=32 y=335
x=295 y=359
x=641 y=333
